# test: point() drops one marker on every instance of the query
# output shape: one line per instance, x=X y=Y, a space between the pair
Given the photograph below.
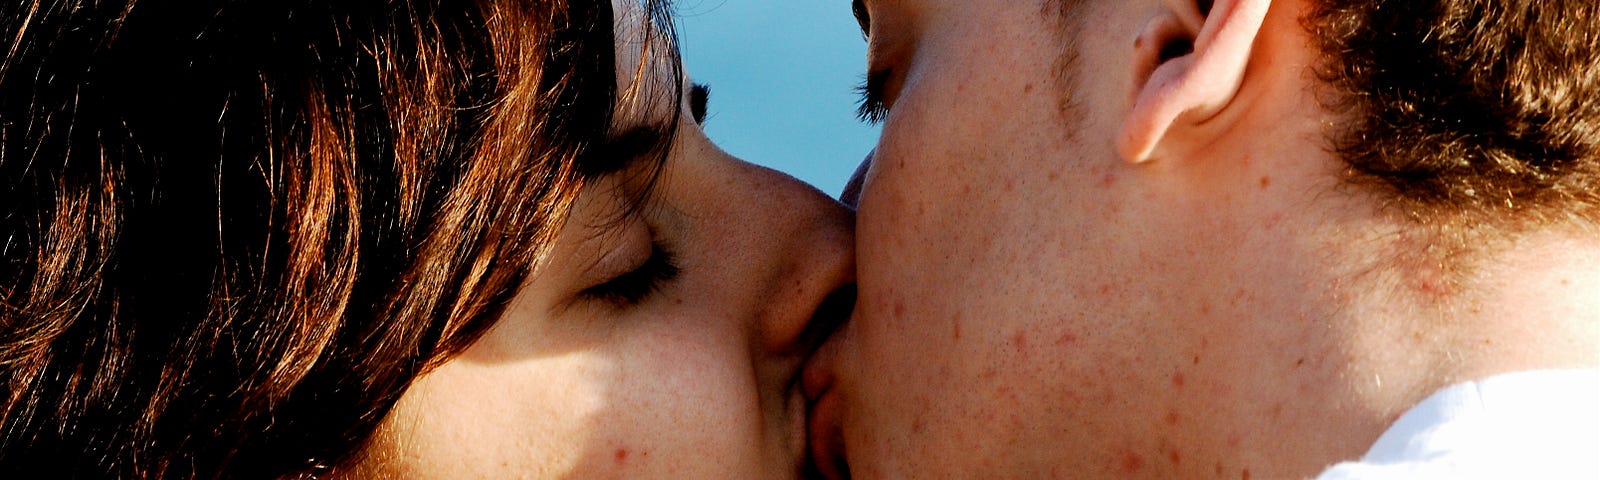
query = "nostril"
x=817 y=375
x=832 y=313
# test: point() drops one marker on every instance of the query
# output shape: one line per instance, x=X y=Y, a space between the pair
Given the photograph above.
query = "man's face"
x=1031 y=305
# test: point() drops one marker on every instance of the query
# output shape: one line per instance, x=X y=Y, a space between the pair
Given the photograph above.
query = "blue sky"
x=782 y=76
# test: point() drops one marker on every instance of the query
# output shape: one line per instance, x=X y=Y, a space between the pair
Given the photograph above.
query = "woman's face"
x=661 y=343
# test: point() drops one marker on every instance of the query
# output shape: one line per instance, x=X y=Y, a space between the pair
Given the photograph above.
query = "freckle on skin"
x=1027 y=88
x=1430 y=286
x=1067 y=339
x=1233 y=440
x=1174 y=457
x=1177 y=379
x=621 y=455
x=1273 y=220
x=1245 y=474
x=899 y=308
x=1172 y=418
x=955 y=330
x=1019 y=341
x=1132 y=462
x=1219 y=469
x=1266 y=181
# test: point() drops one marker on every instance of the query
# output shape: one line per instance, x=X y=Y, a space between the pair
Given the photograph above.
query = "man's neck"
x=1531 y=303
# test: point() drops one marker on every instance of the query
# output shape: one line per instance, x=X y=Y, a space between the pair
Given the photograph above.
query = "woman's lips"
x=824 y=413
x=824 y=405
x=827 y=438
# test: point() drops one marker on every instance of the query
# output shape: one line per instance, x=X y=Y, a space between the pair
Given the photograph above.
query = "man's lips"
x=824 y=405
x=824 y=411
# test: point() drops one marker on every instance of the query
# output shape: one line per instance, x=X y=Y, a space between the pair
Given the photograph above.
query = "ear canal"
x=1186 y=75
x=1175 y=48
x=1160 y=49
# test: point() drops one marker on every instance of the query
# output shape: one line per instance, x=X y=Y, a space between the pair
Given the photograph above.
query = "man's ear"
x=1191 y=59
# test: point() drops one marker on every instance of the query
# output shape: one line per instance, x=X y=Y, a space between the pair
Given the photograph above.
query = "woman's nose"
x=810 y=238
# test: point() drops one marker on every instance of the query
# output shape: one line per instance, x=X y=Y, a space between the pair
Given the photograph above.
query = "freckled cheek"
x=676 y=404
x=914 y=195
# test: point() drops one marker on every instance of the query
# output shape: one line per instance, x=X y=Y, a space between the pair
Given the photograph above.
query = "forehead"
x=647 y=67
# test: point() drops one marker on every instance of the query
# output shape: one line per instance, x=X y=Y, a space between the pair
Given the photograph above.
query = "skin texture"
x=1143 y=265
x=698 y=380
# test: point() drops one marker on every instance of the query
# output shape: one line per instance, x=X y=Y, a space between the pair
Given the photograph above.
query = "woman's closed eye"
x=634 y=285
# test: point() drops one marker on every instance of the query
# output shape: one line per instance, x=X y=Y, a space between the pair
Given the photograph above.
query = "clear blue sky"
x=782 y=76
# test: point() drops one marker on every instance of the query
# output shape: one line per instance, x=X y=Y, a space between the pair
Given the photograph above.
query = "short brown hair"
x=1468 y=110
x=235 y=230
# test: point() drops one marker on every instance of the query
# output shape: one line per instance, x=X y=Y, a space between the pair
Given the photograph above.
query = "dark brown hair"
x=235 y=230
x=1478 y=111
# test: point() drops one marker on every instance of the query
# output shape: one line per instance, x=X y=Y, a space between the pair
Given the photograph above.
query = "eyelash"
x=870 y=107
x=634 y=287
x=699 y=97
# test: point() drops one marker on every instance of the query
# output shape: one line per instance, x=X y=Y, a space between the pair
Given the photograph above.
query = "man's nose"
x=852 y=189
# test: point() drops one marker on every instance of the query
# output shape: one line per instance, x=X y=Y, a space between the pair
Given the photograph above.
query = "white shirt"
x=1533 y=425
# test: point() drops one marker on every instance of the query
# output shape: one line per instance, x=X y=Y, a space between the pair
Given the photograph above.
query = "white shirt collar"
x=1537 y=424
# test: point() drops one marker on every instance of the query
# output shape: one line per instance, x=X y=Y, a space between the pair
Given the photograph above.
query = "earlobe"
x=1191 y=60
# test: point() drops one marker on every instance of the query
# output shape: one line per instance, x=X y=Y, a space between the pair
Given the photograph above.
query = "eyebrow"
x=625 y=149
x=859 y=8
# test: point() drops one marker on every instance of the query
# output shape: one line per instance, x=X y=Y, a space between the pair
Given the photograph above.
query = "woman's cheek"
x=685 y=406
x=496 y=419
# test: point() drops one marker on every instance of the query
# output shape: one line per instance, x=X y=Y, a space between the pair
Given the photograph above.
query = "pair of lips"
x=826 y=460
x=825 y=457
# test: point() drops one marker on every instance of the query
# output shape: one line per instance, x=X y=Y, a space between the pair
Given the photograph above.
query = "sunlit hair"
x=1469 y=111
x=233 y=232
